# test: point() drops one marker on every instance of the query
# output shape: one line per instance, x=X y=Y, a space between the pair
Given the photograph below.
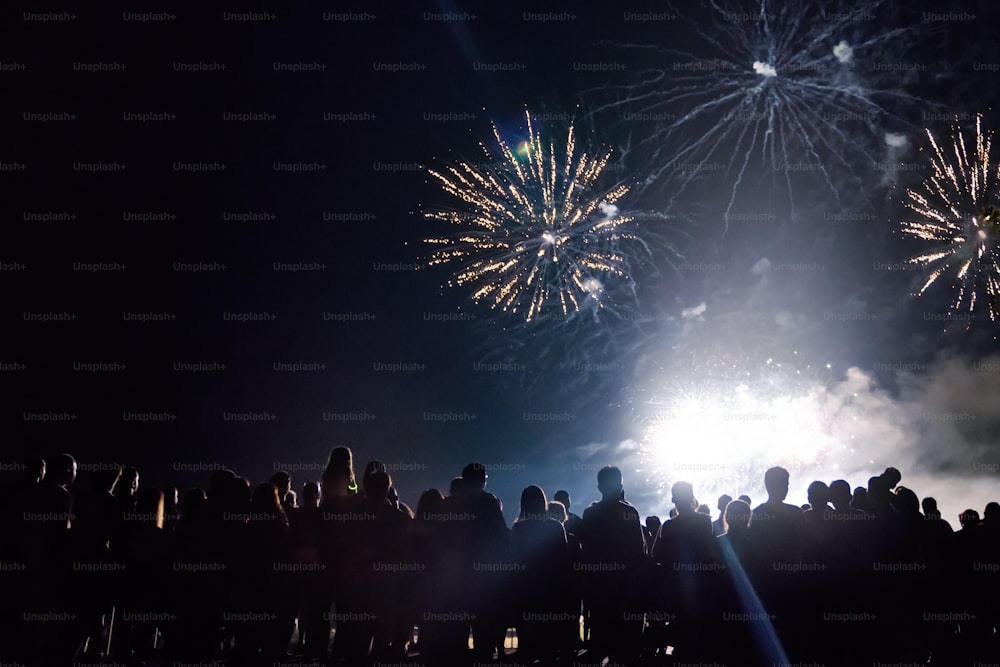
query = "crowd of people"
x=343 y=572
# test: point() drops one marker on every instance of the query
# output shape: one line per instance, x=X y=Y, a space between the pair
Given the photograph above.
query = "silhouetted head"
x=533 y=504
x=60 y=469
x=653 y=524
x=169 y=499
x=840 y=494
x=193 y=502
x=703 y=509
x=219 y=484
x=776 y=484
x=265 y=505
x=879 y=495
x=128 y=484
x=745 y=498
x=682 y=496
x=992 y=513
x=905 y=501
x=455 y=487
x=724 y=500
x=338 y=478
x=310 y=494
x=930 y=508
x=377 y=485
x=474 y=477
x=562 y=496
x=736 y=518
x=818 y=495
x=429 y=505
x=609 y=481
x=892 y=477
x=558 y=512
x=371 y=468
x=283 y=481
x=969 y=518
x=859 y=500
x=34 y=471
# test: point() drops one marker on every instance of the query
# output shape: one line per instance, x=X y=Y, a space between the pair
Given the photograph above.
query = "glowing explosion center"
x=722 y=437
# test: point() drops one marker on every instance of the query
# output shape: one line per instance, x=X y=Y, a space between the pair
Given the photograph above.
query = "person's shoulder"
x=627 y=509
x=791 y=510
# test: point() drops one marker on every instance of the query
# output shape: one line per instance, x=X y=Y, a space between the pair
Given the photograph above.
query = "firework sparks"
x=540 y=237
x=722 y=432
x=772 y=92
x=957 y=209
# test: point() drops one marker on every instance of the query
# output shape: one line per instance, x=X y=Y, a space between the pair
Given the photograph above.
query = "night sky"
x=213 y=253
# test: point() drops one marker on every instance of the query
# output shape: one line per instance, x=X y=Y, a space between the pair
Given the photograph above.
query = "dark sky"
x=174 y=166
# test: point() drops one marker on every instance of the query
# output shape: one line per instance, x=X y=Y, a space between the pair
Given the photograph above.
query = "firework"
x=722 y=431
x=540 y=238
x=957 y=210
x=771 y=92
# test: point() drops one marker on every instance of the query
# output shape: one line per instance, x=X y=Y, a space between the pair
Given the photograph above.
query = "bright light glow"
x=723 y=442
x=764 y=69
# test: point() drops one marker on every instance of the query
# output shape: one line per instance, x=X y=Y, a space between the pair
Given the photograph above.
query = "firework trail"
x=540 y=237
x=772 y=91
x=957 y=209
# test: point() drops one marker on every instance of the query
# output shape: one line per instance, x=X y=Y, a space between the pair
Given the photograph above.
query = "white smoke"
x=941 y=432
x=843 y=52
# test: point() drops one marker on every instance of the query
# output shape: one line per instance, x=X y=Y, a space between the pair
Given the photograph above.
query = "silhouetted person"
x=171 y=499
x=718 y=526
x=379 y=552
x=567 y=628
x=613 y=552
x=818 y=494
x=650 y=529
x=95 y=527
x=425 y=602
x=685 y=550
x=777 y=526
x=737 y=639
x=777 y=532
x=477 y=549
x=892 y=477
x=340 y=504
x=47 y=552
x=266 y=609
x=859 y=500
x=939 y=529
x=286 y=494
x=736 y=521
x=307 y=549
x=573 y=521
x=539 y=547
x=194 y=581
x=144 y=593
